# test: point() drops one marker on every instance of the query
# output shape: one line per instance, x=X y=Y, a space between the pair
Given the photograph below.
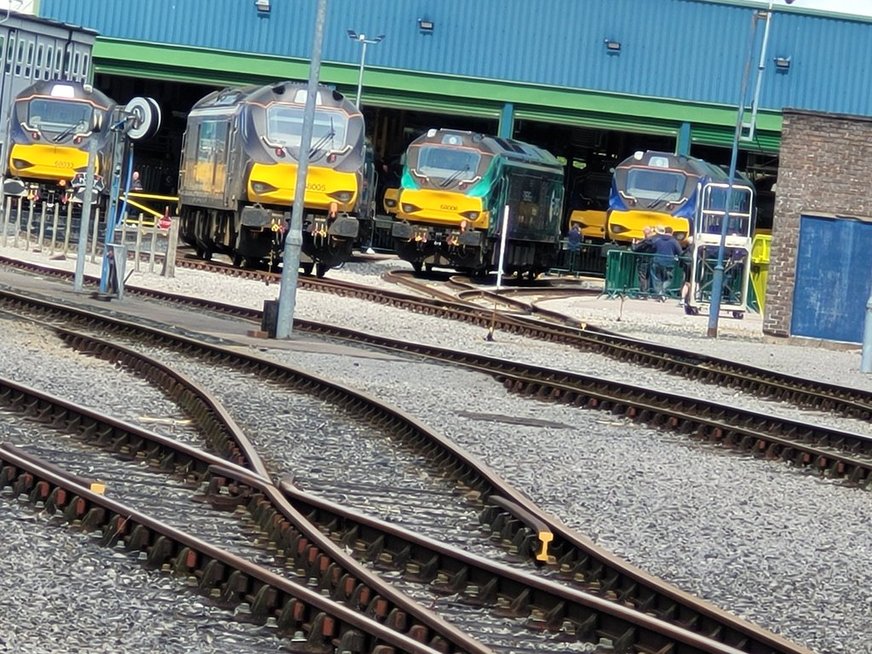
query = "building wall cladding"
x=824 y=166
x=690 y=50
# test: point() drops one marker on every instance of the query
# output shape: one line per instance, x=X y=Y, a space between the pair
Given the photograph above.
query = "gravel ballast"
x=776 y=545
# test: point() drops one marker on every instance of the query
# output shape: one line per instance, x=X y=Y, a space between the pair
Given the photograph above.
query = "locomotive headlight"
x=21 y=163
x=470 y=215
x=261 y=187
x=410 y=208
x=617 y=229
x=390 y=202
x=342 y=196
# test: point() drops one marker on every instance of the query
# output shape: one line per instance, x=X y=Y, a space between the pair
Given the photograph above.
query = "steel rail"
x=227 y=438
x=761 y=382
x=319 y=624
x=579 y=557
x=448 y=570
x=284 y=520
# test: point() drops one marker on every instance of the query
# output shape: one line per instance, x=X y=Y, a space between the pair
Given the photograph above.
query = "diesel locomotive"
x=659 y=188
x=238 y=174
x=455 y=189
x=51 y=127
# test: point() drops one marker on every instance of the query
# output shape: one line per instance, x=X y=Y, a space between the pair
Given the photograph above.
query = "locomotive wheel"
x=307 y=268
x=238 y=260
x=417 y=266
x=321 y=269
x=428 y=267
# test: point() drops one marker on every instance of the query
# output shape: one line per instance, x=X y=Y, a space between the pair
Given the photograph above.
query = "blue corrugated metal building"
x=680 y=61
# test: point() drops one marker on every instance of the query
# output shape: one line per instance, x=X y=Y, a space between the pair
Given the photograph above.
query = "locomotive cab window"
x=285 y=128
x=59 y=116
x=661 y=186
x=445 y=162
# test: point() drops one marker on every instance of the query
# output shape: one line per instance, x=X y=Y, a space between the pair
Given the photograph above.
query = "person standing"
x=135 y=182
x=573 y=245
x=666 y=253
x=644 y=247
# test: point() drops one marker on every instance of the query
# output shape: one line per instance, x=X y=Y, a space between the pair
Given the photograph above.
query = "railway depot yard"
x=774 y=544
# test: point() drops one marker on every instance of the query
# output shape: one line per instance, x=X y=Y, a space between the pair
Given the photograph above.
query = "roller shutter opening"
x=833 y=278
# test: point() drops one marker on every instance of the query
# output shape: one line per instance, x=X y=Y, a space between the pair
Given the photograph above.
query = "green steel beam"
x=416 y=90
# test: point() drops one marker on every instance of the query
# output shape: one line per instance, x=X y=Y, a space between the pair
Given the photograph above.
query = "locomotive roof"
x=68 y=89
x=283 y=91
x=690 y=165
x=496 y=145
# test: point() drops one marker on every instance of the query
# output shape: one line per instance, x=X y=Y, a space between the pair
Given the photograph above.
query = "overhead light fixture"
x=613 y=47
x=426 y=26
x=262 y=6
x=782 y=63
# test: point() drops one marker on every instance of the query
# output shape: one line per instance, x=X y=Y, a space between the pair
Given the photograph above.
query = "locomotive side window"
x=208 y=152
x=535 y=204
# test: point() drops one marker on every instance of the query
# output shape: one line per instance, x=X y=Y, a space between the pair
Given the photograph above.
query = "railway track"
x=849 y=402
x=518 y=521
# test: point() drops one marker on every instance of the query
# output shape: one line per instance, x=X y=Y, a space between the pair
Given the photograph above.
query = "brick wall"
x=825 y=166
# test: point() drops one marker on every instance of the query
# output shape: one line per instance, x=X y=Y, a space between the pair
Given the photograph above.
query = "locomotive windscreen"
x=59 y=115
x=659 y=185
x=445 y=162
x=285 y=127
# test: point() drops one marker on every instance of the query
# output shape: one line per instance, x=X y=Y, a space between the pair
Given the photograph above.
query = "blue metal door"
x=833 y=278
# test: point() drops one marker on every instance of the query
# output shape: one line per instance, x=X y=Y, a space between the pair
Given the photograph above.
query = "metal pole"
x=294 y=238
x=364 y=42
x=503 y=233
x=866 y=361
x=761 y=66
x=718 y=277
x=86 y=217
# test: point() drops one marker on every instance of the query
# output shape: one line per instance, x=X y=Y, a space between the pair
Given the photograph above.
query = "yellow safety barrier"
x=138 y=200
x=760 y=267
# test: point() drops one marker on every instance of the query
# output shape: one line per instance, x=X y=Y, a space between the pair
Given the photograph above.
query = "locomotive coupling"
x=344 y=226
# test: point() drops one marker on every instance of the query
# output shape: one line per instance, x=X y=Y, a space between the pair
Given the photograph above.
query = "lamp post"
x=718 y=277
x=361 y=38
x=294 y=237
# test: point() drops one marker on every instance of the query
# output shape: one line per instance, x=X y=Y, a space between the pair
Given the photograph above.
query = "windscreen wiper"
x=451 y=178
x=658 y=199
x=69 y=130
x=323 y=140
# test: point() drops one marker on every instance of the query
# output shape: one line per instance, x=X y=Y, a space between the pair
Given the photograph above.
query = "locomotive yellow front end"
x=442 y=208
x=326 y=189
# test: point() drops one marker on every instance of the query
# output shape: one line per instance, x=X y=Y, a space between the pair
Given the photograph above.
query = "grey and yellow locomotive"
x=50 y=129
x=239 y=167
